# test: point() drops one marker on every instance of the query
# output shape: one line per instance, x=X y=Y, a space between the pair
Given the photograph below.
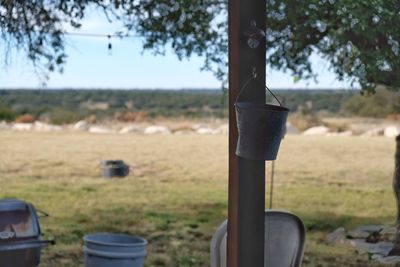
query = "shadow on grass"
x=327 y=221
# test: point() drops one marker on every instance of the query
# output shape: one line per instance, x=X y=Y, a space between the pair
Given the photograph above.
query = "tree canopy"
x=360 y=39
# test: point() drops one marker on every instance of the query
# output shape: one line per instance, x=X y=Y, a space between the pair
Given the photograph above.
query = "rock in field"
x=388 y=260
x=4 y=126
x=100 y=130
x=356 y=234
x=374 y=132
x=130 y=129
x=337 y=236
x=391 y=131
x=157 y=130
x=370 y=228
x=382 y=248
x=22 y=126
x=81 y=126
x=198 y=126
x=388 y=231
x=318 y=130
x=205 y=130
x=44 y=127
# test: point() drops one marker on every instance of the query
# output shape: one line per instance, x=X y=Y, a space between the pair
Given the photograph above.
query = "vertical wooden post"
x=396 y=189
x=246 y=200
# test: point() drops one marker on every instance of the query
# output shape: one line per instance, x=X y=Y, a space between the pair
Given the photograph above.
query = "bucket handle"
x=254 y=77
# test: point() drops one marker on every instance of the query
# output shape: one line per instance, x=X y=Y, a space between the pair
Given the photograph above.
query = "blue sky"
x=89 y=65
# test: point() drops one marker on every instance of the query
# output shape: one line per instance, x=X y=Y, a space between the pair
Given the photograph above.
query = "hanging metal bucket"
x=261 y=128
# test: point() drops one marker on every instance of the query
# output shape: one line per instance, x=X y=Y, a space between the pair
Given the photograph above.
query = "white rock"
x=290 y=129
x=198 y=126
x=389 y=259
x=81 y=126
x=388 y=231
x=204 y=130
x=362 y=246
x=39 y=126
x=376 y=256
x=157 y=130
x=100 y=130
x=22 y=126
x=44 y=127
x=345 y=133
x=373 y=132
x=357 y=234
x=391 y=131
x=130 y=129
x=4 y=126
x=337 y=236
x=370 y=228
x=55 y=128
x=318 y=130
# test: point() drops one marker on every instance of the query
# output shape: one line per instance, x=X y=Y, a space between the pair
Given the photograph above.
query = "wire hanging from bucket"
x=271 y=190
x=254 y=77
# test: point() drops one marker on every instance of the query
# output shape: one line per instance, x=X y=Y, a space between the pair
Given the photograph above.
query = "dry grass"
x=177 y=194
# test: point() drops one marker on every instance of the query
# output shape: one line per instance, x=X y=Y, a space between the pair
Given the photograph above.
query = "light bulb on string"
x=109 y=45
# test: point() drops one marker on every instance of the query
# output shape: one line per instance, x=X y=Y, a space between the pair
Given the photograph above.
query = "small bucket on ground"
x=114 y=168
x=261 y=128
x=111 y=250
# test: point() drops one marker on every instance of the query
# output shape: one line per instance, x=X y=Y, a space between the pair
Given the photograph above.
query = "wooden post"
x=396 y=189
x=246 y=200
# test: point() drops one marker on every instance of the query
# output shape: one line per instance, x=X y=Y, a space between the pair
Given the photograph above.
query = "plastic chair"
x=284 y=241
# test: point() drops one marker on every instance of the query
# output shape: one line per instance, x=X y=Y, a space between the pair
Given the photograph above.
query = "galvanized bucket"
x=261 y=128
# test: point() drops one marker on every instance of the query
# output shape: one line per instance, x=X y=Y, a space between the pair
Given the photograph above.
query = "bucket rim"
x=142 y=241
x=270 y=107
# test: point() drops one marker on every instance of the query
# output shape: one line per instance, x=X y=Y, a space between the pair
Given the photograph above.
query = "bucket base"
x=96 y=261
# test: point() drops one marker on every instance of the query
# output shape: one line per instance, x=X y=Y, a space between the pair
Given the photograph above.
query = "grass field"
x=177 y=194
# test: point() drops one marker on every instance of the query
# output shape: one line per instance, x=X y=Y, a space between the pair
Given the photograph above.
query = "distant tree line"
x=68 y=106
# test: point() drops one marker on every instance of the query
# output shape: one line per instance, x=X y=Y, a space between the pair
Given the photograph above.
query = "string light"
x=85 y=34
x=100 y=35
x=109 y=45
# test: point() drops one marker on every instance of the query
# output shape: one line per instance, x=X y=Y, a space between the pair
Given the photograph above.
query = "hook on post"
x=254 y=35
x=254 y=73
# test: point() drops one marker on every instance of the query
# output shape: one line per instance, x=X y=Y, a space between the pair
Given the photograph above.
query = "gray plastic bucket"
x=261 y=129
x=112 y=250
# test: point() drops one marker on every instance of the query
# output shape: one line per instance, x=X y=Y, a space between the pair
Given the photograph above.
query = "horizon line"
x=164 y=89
